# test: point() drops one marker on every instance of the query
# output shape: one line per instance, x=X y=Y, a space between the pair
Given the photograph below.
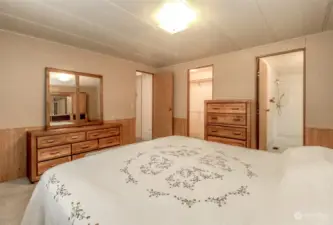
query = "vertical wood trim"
x=101 y=99
x=48 y=98
x=77 y=99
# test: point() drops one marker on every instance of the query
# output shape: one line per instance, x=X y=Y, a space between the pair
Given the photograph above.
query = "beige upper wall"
x=22 y=78
x=234 y=76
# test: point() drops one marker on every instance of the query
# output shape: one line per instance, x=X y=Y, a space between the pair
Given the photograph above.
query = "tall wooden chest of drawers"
x=48 y=148
x=230 y=122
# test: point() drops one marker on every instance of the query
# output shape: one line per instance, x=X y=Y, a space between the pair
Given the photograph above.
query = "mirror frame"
x=77 y=122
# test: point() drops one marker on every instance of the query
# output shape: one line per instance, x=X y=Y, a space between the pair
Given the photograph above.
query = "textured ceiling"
x=126 y=29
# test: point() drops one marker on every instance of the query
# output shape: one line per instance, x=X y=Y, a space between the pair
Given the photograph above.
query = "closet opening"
x=200 y=88
x=281 y=101
x=144 y=106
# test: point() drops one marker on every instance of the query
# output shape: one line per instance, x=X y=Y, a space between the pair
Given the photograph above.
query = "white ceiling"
x=286 y=64
x=125 y=28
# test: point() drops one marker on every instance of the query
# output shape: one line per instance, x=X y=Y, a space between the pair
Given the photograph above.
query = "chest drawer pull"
x=237 y=133
x=236 y=119
x=214 y=131
x=235 y=108
x=74 y=137
x=50 y=141
x=54 y=153
x=214 y=118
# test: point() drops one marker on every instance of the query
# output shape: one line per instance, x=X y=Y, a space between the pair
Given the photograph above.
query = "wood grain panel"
x=319 y=137
x=180 y=126
x=53 y=152
x=128 y=130
x=13 y=153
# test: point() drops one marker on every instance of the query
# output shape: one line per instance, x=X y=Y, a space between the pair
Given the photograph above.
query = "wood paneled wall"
x=319 y=137
x=13 y=148
x=179 y=126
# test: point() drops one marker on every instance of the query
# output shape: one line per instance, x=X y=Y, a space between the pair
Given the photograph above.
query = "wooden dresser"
x=48 y=148
x=230 y=122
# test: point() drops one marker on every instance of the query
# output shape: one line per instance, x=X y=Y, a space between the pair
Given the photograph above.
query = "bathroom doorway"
x=144 y=106
x=280 y=94
x=200 y=88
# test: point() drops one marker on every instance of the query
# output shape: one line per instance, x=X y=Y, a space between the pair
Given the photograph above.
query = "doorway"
x=281 y=101
x=144 y=106
x=200 y=88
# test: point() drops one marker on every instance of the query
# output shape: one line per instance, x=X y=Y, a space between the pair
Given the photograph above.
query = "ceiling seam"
x=67 y=33
x=327 y=16
x=271 y=32
x=101 y=27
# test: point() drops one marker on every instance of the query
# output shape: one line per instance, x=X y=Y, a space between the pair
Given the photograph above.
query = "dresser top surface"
x=43 y=132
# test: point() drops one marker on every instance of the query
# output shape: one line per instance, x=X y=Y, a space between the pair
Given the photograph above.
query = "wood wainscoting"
x=319 y=137
x=13 y=148
x=180 y=126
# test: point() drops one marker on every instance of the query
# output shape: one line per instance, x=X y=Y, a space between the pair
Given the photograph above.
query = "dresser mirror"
x=73 y=98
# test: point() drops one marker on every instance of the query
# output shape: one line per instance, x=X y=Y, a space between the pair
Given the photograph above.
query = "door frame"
x=188 y=94
x=258 y=58
x=152 y=88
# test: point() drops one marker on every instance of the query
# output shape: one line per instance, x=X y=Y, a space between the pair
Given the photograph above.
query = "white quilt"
x=168 y=181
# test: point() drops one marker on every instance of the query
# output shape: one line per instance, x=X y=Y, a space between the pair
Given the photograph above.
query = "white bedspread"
x=168 y=181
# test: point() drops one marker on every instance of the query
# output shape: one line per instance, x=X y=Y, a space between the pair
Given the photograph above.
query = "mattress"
x=173 y=180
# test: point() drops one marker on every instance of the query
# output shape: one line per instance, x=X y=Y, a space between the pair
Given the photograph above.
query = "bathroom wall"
x=289 y=129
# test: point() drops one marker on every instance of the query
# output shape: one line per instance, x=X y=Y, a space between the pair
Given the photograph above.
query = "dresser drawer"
x=103 y=133
x=79 y=156
x=82 y=155
x=49 y=141
x=43 y=166
x=231 y=119
x=229 y=132
x=53 y=152
x=227 y=108
x=84 y=146
x=109 y=142
x=75 y=137
x=227 y=141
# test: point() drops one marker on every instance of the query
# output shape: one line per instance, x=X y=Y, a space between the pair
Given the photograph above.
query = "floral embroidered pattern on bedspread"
x=166 y=164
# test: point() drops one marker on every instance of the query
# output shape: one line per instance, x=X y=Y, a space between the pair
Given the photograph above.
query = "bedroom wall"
x=234 y=78
x=22 y=91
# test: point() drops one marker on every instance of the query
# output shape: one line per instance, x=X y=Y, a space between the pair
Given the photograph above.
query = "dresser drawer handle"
x=75 y=137
x=55 y=153
x=216 y=108
x=214 y=131
x=50 y=141
x=214 y=118
x=85 y=146
x=234 y=108
x=237 y=133
x=236 y=119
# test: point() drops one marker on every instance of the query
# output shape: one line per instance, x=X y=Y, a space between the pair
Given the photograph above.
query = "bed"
x=173 y=180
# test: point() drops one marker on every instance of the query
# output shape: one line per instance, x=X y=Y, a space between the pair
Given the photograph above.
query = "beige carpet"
x=14 y=197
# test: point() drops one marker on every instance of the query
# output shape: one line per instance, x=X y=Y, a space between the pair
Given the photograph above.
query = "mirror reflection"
x=89 y=100
x=62 y=89
x=73 y=98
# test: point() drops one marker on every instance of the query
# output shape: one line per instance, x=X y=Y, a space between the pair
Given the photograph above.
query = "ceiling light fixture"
x=175 y=16
x=64 y=77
